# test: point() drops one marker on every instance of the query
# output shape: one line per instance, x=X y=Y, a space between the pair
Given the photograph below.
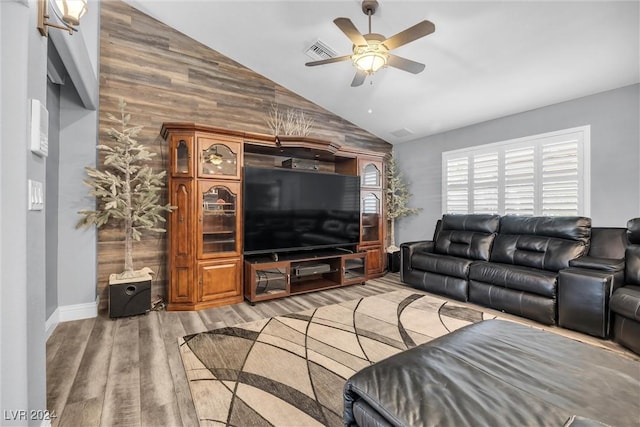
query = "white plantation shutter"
x=519 y=179
x=457 y=186
x=540 y=175
x=485 y=182
x=560 y=180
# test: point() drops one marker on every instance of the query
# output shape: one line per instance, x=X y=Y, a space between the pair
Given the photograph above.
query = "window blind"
x=539 y=175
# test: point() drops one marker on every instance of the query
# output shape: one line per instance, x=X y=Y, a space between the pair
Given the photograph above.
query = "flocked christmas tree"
x=126 y=189
x=397 y=198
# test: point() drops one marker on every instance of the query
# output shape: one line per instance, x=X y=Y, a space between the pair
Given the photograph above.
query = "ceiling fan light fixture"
x=371 y=50
x=370 y=62
x=370 y=58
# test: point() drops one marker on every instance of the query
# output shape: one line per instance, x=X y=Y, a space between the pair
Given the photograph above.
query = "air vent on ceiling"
x=319 y=51
x=401 y=133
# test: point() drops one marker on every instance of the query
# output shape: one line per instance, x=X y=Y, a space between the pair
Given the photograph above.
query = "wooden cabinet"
x=181 y=243
x=296 y=274
x=205 y=230
x=206 y=263
x=220 y=280
x=372 y=213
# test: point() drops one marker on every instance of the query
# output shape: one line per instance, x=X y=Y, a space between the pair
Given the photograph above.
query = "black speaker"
x=393 y=261
x=301 y=164
x=129 y=299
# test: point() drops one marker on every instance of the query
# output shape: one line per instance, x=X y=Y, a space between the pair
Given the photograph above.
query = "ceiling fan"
x=371 y=50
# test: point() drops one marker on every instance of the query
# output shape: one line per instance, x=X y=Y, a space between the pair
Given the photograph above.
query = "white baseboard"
x=52 y=322
x=67 y=313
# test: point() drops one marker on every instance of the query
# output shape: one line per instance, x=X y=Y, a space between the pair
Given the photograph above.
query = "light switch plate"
x=36 y=195
x=39 y=128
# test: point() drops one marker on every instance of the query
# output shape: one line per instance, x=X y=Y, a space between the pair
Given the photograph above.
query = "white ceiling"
x=485 y=60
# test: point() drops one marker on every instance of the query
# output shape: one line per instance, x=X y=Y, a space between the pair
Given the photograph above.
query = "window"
x=544 y=174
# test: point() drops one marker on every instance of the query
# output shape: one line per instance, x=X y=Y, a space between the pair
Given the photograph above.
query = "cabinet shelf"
x=215 y=212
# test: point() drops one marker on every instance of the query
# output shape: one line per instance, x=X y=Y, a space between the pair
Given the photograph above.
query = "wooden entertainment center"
x=207 y=267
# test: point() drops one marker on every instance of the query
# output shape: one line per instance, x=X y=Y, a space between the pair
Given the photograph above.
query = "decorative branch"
x=291 y=122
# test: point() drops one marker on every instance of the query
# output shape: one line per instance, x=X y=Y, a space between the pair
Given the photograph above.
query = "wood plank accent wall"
x=165 y=76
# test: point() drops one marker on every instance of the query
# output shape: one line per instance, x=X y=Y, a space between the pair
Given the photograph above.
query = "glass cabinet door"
x=371 y=175
x=182 y=146
x=371 y=216
x=268 y=280
x=219 y=220
x=218 y=158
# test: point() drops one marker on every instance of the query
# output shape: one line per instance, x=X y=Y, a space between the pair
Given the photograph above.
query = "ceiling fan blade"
x=358 y=79
x=405 y=64
x=350 y=31
x=421 y=29
x=328 y=61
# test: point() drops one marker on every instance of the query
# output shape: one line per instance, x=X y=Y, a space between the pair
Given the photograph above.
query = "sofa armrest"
x=596 y=263
x=407 y=250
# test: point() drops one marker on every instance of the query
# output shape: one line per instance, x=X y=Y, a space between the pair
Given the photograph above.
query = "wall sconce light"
x=72 y=11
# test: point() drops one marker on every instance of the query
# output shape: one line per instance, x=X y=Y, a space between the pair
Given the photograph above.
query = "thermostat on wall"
x=39 y=128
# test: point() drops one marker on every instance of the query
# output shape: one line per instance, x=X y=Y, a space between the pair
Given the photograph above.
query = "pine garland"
x=398 y=196
x=126 y=189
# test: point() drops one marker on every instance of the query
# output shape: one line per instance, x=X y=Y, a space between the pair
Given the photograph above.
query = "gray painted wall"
x=24 y=55
x=614 y=117
x=76 y=247
x=24 y=304
x=53 y=106
x=78 y=139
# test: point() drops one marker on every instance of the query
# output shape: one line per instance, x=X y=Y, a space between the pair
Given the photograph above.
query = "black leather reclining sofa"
x=508 y=263
x=625 y=302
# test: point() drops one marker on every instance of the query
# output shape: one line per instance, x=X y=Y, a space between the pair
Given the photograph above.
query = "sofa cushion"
x=467 y=236
x=441 y=264
x=608 y=242
x=526 y=279
x=626 y=302
x=576 y=228
x=546 y=243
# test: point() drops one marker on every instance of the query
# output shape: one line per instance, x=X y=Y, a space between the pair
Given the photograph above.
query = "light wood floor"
x=128 y=371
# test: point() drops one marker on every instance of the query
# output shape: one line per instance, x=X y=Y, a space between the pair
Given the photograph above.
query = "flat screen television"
x=290 y=210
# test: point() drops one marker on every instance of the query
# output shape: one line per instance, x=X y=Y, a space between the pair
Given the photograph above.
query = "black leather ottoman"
x=496 y=373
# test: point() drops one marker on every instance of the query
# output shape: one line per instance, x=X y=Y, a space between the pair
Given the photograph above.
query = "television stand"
x=269 y=277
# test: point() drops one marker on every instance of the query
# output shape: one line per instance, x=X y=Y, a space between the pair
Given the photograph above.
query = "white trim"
x=51 y=323
x=586 y=172
x=584 y=128
x=67 y=313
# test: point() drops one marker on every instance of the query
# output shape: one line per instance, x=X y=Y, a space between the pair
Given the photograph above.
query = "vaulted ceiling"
x=486 y=59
